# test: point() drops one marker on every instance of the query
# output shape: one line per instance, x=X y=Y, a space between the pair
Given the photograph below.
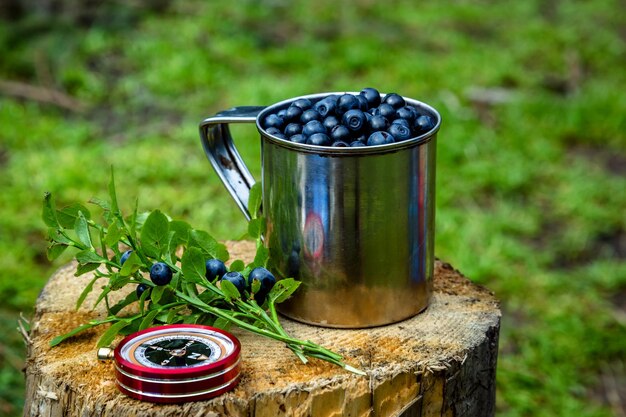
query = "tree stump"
x=441 y=362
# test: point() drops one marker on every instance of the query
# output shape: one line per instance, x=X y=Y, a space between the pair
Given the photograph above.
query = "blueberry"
x=394 y=100
x=265 y=277
x=380 y=138
x=325 y=106
x=125 y=256
x=273 y=120
x=293 y=129
x=363 y=137
x=293 y=113
x=333 y=97
x=282 y=114
x=309 y=115
x=314 y=126
x=319 y=139
x=347 y=102
x=399 y=132
x=141 y=288
x=330 y=122
x=402 y=122
x=303 y=103
x=273 y=130
x=353 y=120
x=385 y=110
x=280 y=136
x=424 y=123
x=357 y=144
x=214 y=268
x=363 y=104
x=267 y=281
x=299 y=138
x=160 y=273
x=378 y=122
x=340 y=133
x=340 y=144
x=236 y=279
x=372 y=96
x=407 y=112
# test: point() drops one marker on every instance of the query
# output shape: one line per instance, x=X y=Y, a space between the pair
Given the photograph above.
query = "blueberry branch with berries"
x=142 y=250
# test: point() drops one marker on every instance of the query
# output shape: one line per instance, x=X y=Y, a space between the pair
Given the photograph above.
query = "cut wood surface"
x=441 y=362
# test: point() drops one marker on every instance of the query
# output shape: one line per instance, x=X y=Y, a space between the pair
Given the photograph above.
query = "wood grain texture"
x=441 y=362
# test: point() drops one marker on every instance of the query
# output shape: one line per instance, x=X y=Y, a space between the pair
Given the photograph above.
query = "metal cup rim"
x=348 y=151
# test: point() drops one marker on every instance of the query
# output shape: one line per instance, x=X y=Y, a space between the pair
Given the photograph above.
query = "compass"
x=176 y=363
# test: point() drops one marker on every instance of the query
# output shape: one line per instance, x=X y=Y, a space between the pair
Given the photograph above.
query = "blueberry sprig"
x=177 y=272
x=349 y=120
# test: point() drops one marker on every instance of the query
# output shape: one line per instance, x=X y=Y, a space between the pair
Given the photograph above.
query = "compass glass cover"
x=179 y=348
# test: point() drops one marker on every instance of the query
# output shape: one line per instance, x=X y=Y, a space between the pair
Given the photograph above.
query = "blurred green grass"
x=531 y=181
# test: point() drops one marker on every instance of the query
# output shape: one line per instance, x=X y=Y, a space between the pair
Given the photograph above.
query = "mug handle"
x=221 y=151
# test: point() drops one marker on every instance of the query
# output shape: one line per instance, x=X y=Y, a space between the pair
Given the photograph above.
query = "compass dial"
x=185 y=347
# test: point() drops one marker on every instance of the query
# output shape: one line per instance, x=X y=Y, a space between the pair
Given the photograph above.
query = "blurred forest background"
x=531 y=181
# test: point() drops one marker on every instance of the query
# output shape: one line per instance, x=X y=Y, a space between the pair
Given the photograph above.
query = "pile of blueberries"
x=161 y=274
x=349 y=120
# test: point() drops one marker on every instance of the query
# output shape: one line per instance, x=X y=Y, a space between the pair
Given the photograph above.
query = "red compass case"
x=177 y=363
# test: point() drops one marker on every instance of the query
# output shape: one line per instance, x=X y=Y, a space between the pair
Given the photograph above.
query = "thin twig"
x=22 y=329
x=42 y=95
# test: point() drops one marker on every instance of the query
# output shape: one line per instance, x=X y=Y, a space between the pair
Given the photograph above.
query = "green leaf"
x=255 y=286
x=105 y=291
x=48 y=213
x=237 y=265
x=255 y=199
x=230 y=291
x=107 y=337
x=148 y=319
x=112 y=194
x=157 y=293
x=67 y=216
x=55 y=235
x=181 y=231
x=169 y=254
x=144 y=296
x=133 y=221
x=88 y=256
x=283 y=289
x=100 y=203
x=114 y=234
x=86 y=292
x=55 y=250
x=154 y=234
x=131 y=265
x=84 y=268
x=261 y=257
x=117 y=281
x=55 y=341
x=132 y=327
x=129 y=299
x=192 y=318
x=204 y=241
x=82 y=230
x=222 y=323
x=221 y=252
x=256 y=227
x=193 y=265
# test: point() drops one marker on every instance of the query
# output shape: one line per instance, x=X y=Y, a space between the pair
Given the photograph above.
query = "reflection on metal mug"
x=355 y=225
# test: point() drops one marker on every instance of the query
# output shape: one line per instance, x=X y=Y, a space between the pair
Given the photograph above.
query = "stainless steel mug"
x=355 y=225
